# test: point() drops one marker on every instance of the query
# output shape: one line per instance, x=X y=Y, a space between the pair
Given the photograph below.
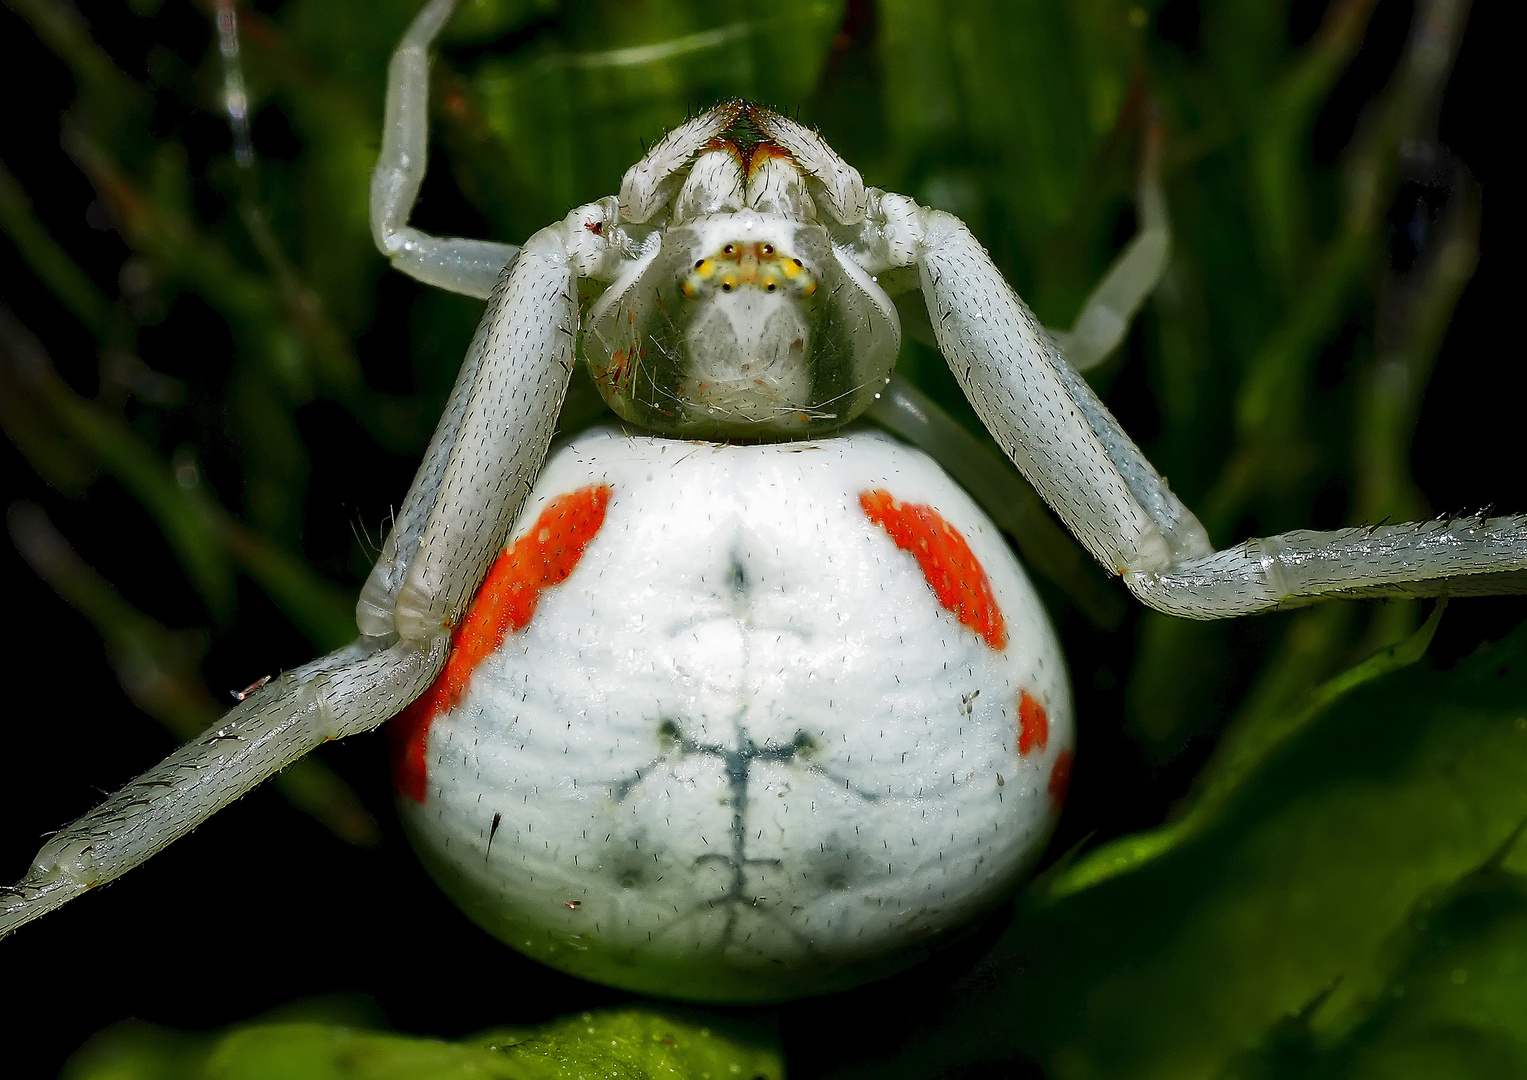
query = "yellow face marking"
x=739 y=263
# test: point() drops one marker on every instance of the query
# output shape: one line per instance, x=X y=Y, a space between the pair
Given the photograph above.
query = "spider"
x=735 y=702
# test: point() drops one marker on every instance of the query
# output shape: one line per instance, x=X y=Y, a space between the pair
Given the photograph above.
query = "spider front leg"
x=1104 y=320
x=1099 y=329
x=350 y=690
x=464 y=266
x=1067 y=444
x=436 y=551
x=491 y=439
x=463 y=501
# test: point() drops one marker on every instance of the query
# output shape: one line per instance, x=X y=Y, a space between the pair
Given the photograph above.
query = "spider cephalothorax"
x=739 y=316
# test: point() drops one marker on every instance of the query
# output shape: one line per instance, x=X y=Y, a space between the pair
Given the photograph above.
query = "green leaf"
x=620 y=1044
x=1452 y=1001
x=1241 y=750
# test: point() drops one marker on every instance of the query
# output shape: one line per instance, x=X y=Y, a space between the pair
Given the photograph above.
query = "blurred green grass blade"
x=629 y=1044
x=49 y=260
x=568 y=110
x=108 y=441
x=319 y=212
x=300 y=348
x=1034 y=83
x=48 y=450
x=203 y=536
x=114 y=100
x=157 y=669
x=1002 y=113
x=1280 y=140
x=1282 y=451
x=321 y=793
x=1415 y=307
x=1270 y=406
x=1414 y=312
x=1312 y=864
x=481 y=22
x=1273 y=449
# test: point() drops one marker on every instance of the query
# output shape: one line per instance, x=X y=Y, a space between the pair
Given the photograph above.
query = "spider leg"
x=457 y=514
x=1104 y=320
x=906 y=411
x=1067 y=444
x=348 y=691
x=838 y=182
x=491 y=440
x=460 y=265
x=1474 y=556
x=651 y=182
x=1045 y=418
x=476 y=474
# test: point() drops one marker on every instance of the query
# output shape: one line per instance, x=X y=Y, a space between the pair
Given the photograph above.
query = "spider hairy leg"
x=475 y=477
x=1067 y=444
x=837 y=183
x=1040 y=411
x=1099 y=329
x=467 y=492
x=455 y=517
x=652 y=181
x=1471 y=556
x=460 y=265
x=1047 y=549
x=348 y=691
x=489 y=446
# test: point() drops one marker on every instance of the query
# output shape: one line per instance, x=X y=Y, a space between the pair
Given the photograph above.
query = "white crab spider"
x=772 y=349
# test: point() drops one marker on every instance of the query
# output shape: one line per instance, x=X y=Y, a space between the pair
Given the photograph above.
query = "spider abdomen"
x=740 y=723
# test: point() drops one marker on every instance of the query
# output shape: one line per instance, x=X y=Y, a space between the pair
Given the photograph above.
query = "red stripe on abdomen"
x=505 y=603
x=1033 y=724
x=952 y=570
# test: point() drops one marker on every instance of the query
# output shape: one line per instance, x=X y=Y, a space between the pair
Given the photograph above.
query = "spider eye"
x=699 y=263
x=730 y=249
x=768 y=249
x=797 y=262
x=771 y=286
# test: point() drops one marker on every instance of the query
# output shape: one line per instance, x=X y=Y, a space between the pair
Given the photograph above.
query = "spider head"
x=738 y=317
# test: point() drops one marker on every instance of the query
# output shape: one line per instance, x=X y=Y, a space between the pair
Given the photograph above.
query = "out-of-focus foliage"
x=623 y=1044
x=1332 y=898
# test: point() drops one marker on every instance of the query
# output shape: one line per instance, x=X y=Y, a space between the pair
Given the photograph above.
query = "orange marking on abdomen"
x=1060 y=778
x=1033 y=724
x=543 y=557
x=947 y=562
